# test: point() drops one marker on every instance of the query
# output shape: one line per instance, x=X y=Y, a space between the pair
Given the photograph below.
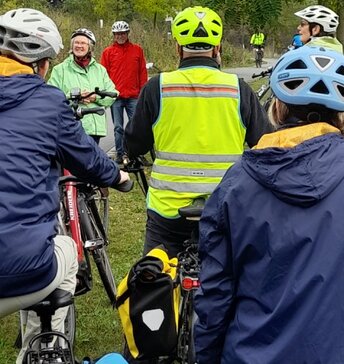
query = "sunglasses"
x=121 y=33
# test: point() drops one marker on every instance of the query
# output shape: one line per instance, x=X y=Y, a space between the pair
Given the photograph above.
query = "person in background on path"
x=199 y=119
x=257 y=40
x=126 y=66
x=80 y=69
x=318 y=27
x=37 y=132
x=271 y=235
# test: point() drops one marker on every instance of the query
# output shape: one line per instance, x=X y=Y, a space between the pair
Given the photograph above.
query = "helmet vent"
x=2 y=31
x=217 y=23
x=340 y=90
x=340 y=70
x=322 y=62
x=32 y=20
x=44 y=30
x=200 y=32
x=293 y=84
x=32 y=46
x=320 y=88
x=183 y=21
x=297 y=65
x=13 y=46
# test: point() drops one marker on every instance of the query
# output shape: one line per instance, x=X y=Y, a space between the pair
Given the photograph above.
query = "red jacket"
x=126 y=66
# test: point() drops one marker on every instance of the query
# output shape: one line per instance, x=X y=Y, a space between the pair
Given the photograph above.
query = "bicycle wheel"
x=186 y=347
x=102 y=203
x=105 y=272
x=70 y=324
x=95 y=242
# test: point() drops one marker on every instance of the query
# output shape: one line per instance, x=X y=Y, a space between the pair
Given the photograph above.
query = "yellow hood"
x=10 y=67
x=291 y=137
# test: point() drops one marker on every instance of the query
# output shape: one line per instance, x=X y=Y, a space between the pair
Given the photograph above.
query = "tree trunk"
x=340 y=29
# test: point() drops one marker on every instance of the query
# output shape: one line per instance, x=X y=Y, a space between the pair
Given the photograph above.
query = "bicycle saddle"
x=56 y=299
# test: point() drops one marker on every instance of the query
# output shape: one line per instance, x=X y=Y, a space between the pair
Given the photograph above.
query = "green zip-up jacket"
x=68 y=75
x=326 y=42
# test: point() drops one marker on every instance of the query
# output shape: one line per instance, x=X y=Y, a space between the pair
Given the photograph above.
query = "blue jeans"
x=117 y=110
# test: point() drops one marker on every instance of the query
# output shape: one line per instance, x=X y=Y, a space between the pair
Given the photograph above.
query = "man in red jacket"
x=126 y=66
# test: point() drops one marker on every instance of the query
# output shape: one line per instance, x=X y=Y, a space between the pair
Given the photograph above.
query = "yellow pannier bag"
x=148 y=304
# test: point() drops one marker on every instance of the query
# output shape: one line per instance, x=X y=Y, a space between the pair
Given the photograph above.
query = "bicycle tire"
x=102 y=262
x=92 y=230
x=103 y=210
x=70 y=324
x=186 y=349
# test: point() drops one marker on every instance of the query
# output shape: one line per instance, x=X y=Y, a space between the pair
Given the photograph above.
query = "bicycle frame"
x=84 y=272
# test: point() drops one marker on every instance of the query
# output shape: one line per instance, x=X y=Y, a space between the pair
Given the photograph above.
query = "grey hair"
x=90 y=45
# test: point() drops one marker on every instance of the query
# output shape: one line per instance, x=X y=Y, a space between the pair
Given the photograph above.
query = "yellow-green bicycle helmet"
x=197 y=25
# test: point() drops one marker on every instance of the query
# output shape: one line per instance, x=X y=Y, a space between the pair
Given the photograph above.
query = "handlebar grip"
x=125 y=186
x=80 y=111
x=103 y=94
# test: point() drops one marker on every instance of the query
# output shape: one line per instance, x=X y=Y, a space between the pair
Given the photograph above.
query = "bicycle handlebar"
x=103 y=93
x=76 y=98
x=263 y=73
x=82 y=111
x=132 y=165
x=123 y=187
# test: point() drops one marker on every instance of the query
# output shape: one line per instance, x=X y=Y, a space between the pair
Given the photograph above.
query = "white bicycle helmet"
x=120 y=26
x=85 y=32
x=310 y=75
x=320 y=15
x=29 y=35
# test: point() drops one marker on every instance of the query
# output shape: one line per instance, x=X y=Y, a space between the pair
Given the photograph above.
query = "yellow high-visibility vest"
x=198 y=135
x=257 y=39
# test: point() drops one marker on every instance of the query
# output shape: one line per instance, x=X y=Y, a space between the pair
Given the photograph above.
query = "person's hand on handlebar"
x=89 y=99
x=124 y=177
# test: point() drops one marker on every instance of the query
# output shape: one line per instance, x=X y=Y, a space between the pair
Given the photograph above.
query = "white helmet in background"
x=29 y=35
x=321 y=15
x=120 y=26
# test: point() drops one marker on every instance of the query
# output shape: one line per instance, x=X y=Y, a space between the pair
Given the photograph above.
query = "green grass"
x=98 y=327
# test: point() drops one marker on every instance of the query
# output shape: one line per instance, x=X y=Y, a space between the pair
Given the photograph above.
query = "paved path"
x=247 y=72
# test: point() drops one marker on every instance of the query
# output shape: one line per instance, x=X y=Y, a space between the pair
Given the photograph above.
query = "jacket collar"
x=10 y=67
x=76 y=67
x=291 y=137
x=198 y=61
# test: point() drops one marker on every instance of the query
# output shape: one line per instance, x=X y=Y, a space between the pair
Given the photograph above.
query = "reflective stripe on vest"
x=198 y=135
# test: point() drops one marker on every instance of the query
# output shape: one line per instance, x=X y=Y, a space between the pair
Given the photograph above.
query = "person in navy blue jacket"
x=37 y=131
x=272 y=233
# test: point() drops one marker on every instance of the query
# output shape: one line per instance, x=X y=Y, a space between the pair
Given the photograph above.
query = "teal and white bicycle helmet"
x=310 y=75
x=29 y=35
x=86 y=33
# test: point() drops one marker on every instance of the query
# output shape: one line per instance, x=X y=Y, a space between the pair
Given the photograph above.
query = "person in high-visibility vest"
x=257 y=39
x=198 y=119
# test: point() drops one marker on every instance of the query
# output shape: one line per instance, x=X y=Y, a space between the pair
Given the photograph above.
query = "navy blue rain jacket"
x=272 y=251
x=37 y=129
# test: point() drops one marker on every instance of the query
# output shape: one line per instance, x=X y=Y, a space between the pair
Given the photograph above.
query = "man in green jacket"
x=81 y=70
